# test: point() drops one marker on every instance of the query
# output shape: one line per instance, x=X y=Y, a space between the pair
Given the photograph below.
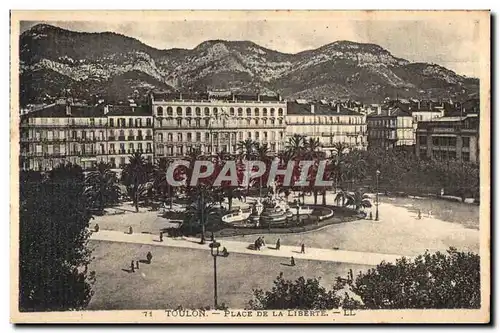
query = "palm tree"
x=311 y=148
x=341 y=149
x=246 y=149
x=202 y=207
x=136 y=177
x=359 y=200
x=296 y=144
x=160 y=182
x=102 y=186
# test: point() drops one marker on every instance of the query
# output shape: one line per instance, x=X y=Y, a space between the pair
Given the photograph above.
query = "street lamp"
x=214 y=250
x=376 y=196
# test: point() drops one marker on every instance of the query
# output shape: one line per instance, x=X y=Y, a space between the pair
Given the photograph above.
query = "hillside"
x=117 y=66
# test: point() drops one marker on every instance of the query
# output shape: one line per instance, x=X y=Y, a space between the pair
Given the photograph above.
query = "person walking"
x=161 y=236
x=130 y=231
x=278 y=244
x=292 y=261
x=149 y=257
x=137 y=264
x=303 y=249
x=132 y=266
x=419 y=214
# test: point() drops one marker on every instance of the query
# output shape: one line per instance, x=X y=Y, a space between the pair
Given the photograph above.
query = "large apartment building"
x=216 y=121
x=84 y=135
x=390 y=128
x=449 y=138
x=328 y=122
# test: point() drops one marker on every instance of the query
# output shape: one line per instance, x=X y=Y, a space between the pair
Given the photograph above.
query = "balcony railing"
x=130 y=138
x=121 y=138
x=149 y=137
x=111 y=138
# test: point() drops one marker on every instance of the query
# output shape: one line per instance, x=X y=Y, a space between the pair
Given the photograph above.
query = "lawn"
x=184 y=277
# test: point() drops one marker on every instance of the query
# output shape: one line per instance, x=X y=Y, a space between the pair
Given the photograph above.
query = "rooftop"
x=298 y=108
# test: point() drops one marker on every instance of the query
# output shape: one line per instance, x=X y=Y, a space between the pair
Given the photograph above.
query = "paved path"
x=352 y=257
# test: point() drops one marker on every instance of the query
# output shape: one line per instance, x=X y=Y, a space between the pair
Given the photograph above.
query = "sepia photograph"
x=250 y=166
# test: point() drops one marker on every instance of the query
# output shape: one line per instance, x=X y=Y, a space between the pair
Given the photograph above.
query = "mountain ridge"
x=340 y=69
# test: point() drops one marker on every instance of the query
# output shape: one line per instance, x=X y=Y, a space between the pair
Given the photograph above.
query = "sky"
x=449 y=43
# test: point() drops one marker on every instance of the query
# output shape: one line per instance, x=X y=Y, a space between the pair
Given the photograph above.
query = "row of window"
x=444 y=141
x=122 y=122
x=326 y=120
x=179 y=111
x=197 y=137
x=207 y=122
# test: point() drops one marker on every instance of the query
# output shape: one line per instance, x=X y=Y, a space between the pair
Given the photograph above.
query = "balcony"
x=121 y=151
x=112 y=152
x=130 y=138
x=111 y=138
x=139 y=138
x=149 y=137
x=121 y=138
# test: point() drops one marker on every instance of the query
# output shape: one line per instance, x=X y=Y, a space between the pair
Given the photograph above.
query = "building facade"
x=329 y=123
x=129 y=130
x=390 y=128
x=85 y=135
x=449 y=138
x=216 y=122
x=62 y=133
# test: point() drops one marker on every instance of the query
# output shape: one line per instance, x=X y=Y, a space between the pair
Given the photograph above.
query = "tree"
x=311 y=148
x=203 y=198
x=300 y=294
x=358 y=200
x=246 y=149
x=102 y=186
x=295 y=145
x=53 y=235
x=160 y=183
x=431 y=281
x=136 y=177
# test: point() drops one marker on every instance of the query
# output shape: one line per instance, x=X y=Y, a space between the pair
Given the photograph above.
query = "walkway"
x=352 y=257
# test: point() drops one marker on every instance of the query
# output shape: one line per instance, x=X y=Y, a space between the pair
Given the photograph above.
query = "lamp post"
x=376 y=195
x=214 y=250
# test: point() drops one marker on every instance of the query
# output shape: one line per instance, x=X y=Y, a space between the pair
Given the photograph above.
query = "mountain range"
x=55 y=61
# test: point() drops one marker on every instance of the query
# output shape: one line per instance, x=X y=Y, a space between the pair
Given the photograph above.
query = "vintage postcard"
x=250 y=166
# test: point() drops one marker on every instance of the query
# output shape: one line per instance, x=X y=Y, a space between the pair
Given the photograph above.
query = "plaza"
x=181 y=273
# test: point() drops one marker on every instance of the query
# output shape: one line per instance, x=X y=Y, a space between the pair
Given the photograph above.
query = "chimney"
x=418 y=103
x=106 y=109
x=279 y=97
x=379 y=110
x=68 y=109
x=338 y=107
x=258 y=97
x=312 y=108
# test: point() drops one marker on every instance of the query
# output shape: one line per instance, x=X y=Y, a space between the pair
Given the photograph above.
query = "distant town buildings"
x=449 y=138
x=328 y=122
x=173 y=124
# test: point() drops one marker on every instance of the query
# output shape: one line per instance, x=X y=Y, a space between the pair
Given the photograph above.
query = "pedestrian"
x=419 y=214
x=371 y=216
x=224 y=252
x=137 y=264
x=292 y=261
x=161 y=236
x=303 y=248
x=278 y=244
x=430 y=213
x=132 y=266
x=149 y=257
x=263 y=242
x=130 y=231
x=96 y=228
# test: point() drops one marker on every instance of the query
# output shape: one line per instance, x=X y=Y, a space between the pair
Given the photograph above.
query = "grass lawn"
x=185 y=276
